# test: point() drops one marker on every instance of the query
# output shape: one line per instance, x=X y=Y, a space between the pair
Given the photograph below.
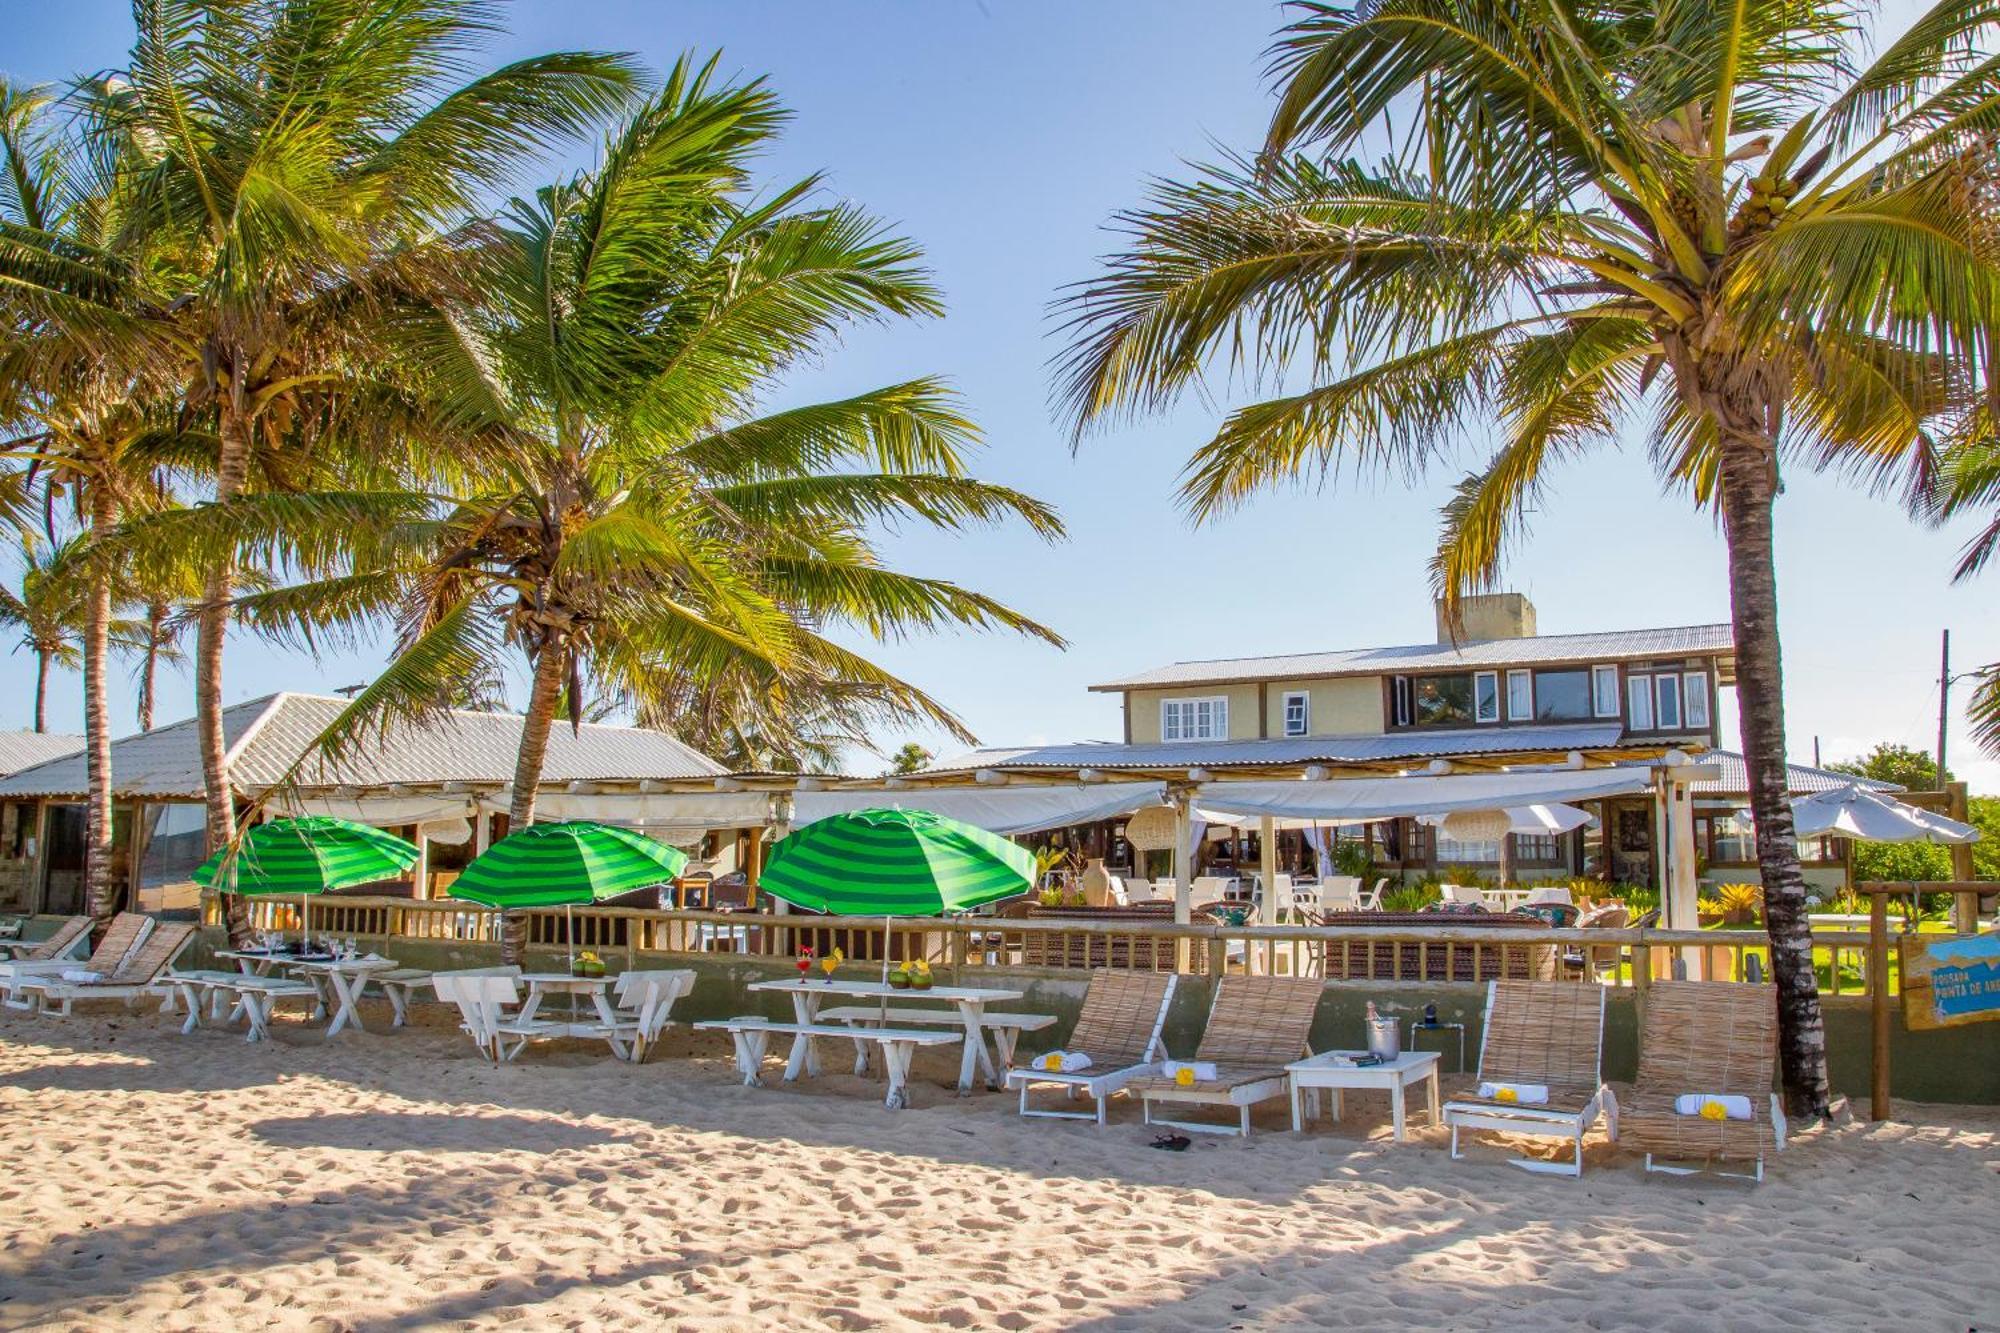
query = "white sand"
x=393 y=1182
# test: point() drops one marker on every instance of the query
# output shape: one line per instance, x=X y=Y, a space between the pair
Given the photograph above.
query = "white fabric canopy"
x=1855 y=812
x=995 y=809
x=1355 y=800
x=662 y=810
x=1535 y=820
x=381 y=811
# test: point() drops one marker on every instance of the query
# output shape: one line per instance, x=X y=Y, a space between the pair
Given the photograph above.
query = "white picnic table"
x=346 y=978
x=970 y=1001
x=605 y=1024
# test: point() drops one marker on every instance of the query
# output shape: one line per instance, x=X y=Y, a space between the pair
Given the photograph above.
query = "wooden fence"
x=1402 y=952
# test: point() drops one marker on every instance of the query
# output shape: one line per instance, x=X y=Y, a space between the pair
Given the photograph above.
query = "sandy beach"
x=394 y=1182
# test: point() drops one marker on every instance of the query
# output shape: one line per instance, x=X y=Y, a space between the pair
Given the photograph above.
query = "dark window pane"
x=1562 y=695
x=1443 y=699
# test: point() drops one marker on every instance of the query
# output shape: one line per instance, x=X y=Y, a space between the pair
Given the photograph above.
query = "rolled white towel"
x=1516 y=1094
x=1712 y=1106
x=1196 y=1071
x=1063 y=1062
x=82 y=976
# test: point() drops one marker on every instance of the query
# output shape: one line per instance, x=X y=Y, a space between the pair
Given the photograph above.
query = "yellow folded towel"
x=1063 y=1062
x=1516 y=1094
x=1712 y=1106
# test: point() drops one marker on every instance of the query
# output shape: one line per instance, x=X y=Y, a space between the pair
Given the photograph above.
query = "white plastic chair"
x=1551 y=893
x=1462 y=893
x=1371 y=901
x=1340 y=893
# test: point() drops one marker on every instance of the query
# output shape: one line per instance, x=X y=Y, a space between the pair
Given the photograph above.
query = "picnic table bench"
x=1006 y=1028
x=752 y=1035
x=256 y=997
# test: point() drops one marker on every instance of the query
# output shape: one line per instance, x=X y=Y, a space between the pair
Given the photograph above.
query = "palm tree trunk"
x=233 y=466
x=1749 y=488
x=102 y=893
x=156 y=628
x=41 y=691
x=535 y=727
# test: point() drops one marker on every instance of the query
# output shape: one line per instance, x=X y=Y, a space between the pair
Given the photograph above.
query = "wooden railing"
x=1624 y=956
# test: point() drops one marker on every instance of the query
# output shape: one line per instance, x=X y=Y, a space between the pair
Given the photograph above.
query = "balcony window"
x=1298 y=712
x=1520 y=696
x=1486 y=696
x=1667 y=689
x=1604 y=691
x=1442 y=701
x=1562 y=696
x=1694 y=689
x=1640 y=689
x=1194 y=719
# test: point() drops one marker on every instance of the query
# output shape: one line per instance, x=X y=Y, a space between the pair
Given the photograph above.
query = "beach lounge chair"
x=70 y=937
x=1371 y=901
x=143 y=972
x=1256 y=1027
x=1119 y=1029
x=1546 y=1035
x=1707 y=1039
x=121 y=937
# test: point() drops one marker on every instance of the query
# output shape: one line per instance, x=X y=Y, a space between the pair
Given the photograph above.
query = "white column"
x=1267 y=914
x=1183 y=862
x=1680 y=898
x=422 y=868
x=482 y=829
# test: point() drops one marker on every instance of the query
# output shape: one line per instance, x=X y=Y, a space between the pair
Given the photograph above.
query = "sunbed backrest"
x=60 y=943
x=1709 y=1036
x=1260 y=1020
x=1121 y=1016
x=1548 y=1032
x=120 y=938
x=150 y=959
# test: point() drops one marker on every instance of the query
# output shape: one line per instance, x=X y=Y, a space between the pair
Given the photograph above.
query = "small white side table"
x=1327 y=1072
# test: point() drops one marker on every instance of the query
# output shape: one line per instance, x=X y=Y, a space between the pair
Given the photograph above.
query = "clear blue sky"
x=1001 y=136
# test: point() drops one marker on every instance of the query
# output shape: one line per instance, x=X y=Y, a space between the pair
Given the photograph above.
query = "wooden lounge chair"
x=1718 y=1038
x=125 y=933
x=69 y=937
x=1119 y=1029
x=1548 y=1033
x=1256 y=1027
x=142 y=973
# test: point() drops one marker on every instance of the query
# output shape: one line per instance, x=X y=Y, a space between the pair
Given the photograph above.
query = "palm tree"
x=618 y=513
x=48 y=610
x=1969 y=482
x=302 y=167
x=1711 y=218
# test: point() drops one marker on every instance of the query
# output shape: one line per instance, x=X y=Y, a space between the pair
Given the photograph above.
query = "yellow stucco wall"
x=1350 y=706
x=1347 y=707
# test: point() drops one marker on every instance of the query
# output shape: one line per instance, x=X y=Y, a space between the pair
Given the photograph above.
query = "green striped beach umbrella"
x=895 y=863
x=307 y=855
x=564 y=865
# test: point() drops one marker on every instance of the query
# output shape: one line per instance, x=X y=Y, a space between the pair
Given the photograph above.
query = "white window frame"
x=1521 y=707
x=1604 y=702
x=1491 y=679
x=1402 y=702
x=1304 y=700
x=1667 y=691
x=1639 y=690
x=1173 y=712
x=1694 y=700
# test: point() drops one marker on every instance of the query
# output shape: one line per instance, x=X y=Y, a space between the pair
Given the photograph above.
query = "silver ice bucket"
x=1384 y=1039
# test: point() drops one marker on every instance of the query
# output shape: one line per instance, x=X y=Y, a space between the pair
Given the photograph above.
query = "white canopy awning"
x=381 y=811
x=1535 y=820
x=1357 y=800
x=995 y=809
x=653 y=810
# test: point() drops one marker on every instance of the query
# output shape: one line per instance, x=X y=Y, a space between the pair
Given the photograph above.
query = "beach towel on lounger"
x=1516 y=1094
x=1712 y=1106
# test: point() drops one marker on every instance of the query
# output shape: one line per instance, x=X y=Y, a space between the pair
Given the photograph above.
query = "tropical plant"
x=303 y=169
x=1889 y=762
x=616 y=511
x=48 y=609
x=1739 y=904
x=910 y=757
x=1712 y=218
x=1970 y=483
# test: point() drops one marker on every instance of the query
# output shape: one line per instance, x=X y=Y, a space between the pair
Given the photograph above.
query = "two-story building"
x=1487 y=693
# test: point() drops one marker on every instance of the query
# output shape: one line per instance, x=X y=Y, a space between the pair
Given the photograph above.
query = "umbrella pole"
x=569 y=934
x=888 y=924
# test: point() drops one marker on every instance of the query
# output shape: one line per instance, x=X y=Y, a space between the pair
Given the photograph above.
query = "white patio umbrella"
x=1853 y=811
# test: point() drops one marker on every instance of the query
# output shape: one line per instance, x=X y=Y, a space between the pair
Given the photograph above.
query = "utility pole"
x=1944 y=701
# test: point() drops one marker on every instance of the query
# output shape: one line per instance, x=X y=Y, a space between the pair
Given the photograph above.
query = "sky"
x=1002 y=136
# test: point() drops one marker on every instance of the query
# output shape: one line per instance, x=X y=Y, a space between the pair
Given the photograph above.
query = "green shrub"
x=1412 y=897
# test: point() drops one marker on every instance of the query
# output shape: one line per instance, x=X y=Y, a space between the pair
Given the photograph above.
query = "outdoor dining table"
x=971 y=1002
x=345 y=978
x=543 y=984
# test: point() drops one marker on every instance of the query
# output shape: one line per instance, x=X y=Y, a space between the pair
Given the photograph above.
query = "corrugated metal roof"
x=266 y=736
x=24 y=749
x=1299 y=750
x=1801 y=778
x=1605 y=646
